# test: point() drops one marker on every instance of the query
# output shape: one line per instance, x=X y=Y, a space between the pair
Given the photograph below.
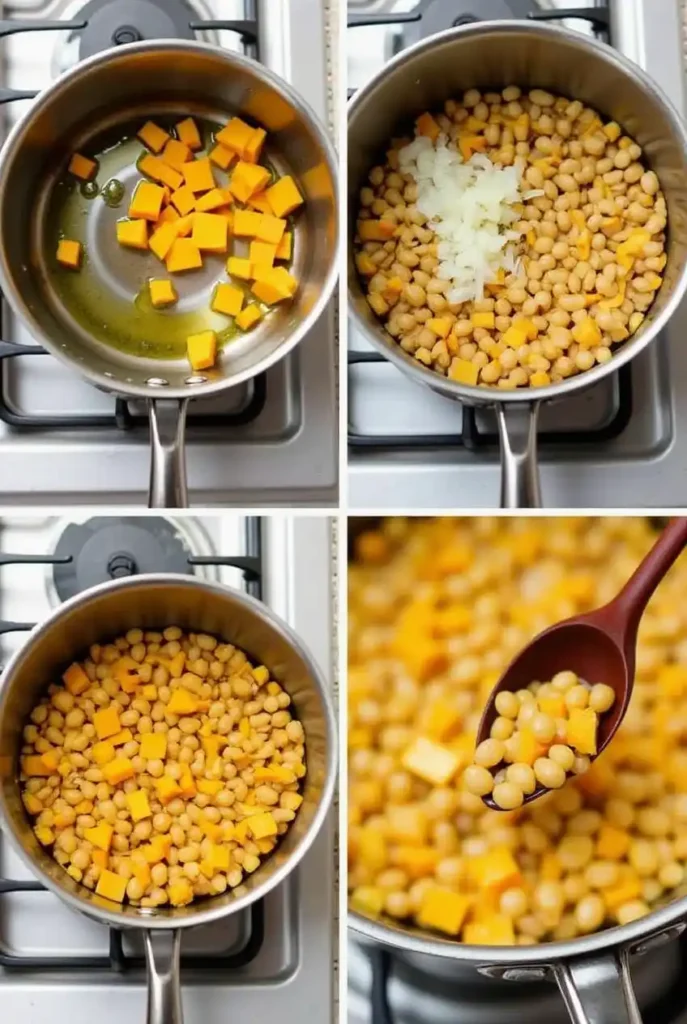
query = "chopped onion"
x=469 y=206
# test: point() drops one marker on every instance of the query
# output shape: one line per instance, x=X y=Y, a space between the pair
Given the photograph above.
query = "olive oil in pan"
x=109 y=294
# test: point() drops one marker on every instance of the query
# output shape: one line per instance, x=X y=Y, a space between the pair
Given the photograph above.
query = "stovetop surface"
x=277 y=957
x=616 y=444
x=270 y=441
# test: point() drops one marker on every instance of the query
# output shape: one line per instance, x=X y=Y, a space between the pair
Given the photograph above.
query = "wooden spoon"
x=599 y=647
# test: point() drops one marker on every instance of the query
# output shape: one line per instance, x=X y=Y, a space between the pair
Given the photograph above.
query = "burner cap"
x=439 y=15
x=104 y=549
x=114 y=22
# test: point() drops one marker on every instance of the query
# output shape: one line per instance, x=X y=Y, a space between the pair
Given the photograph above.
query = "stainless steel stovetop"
x=624 y=442
x=286 y=452
x=290 y=977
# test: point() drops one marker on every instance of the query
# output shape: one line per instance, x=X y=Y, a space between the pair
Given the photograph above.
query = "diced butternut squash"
x=50 y=759
x=82 y=167
x=153 y=746
x=212 y=200
x=219 y=857
x=495 y=869
x=75 y=679
x=152 y=136
x=247 y=223
x=486 y=320
x=69 y=253
x=202 y=352
x=155 y=168
x=187 y=130
x=121 y=737
x=612 y=843
x=111 y=886
x=176 y=154
x=180 y=892
x=431 y=761
x=261 y=254
x=125 y=671
x=525 y=746
x=198 y=175
x=162 y=240
x=587 y=333
x=489 y=930
x=182 y=702
x=103 y=752
x=146 y=202
x=222 y=156
x=168 y=216
x=175 y=665
x=210 y=232
x=274 y=286
x=184 y=225
x=262 y=825
x=133 y=233
x=157 y=850
x=553 y=705
x=368 y=900
x=149 y=691
x=142 y=875
x=235 y=135
x=581 y=730
x=284 y=197
x=427 y=126
x=443 y=720
x=187 y=783
x=44 y=835
x=118 y=771
x=184 y=200
x=227 y=299
x=106 y=722
x=167 y=789
x=271 y=229
x=463 y=371
x=376 y=230
x=630 y=888
x=34 y=765
x=239 y=267
x=184 y=255
x=247 y=179
x=285 y=247
x=162 y=293
x=259 y=202
x=439 y=325
x=211 y=787
x=100 y=835
x=138 y=804
x=253 y=148
x=443 y=910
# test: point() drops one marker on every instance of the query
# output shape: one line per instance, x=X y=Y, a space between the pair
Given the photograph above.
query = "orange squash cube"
x=184 y=255
x=152 y=136
x=285 y=247
x=75 y=679
x=69 y=253
x=122 y=737
x=262 y=254
x=184 y=200
x=284 y=197
x=187 y=130
x=248 y=317
x=155 y=168
x=271 y=229
x=432 y=762
x=235 y=135
x=133 y=233
x=212 y=200
x=253 y=148
x=227 y=300
x=176 y=154
x=222 y=156
x=82 y=167
x=138 y=804
x=162 y=293
x=496 y=869
x=274 y=285
x=210 y=232
x=262 y=825
x=187 y=783
x=34 y=765
x=168 y=216
x=146 y=202
x=106 y=722
x=103 y=752
x=443 y=910
x=259 y=202
x=239 y=267
x=426 y=125
x=246 y=223
x=153 y=746
x=167 y=789
x=111 y=886
x=490 y=930
x=118 y=771
x=198 y=175
x=185 y=225
x=100 y=835
x=247 y=179
x=581 y=731
x=202 y=353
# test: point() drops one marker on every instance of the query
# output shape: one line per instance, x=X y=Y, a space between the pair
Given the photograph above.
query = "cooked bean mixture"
x=591 y=245
x=437 y=609
x=165 y=768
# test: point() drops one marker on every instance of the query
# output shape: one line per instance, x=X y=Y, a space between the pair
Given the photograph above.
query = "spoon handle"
x=630 y=603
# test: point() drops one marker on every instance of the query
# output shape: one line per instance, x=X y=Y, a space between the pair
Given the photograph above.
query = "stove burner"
x=115 y=22
x=104 y=549
x=439 y=15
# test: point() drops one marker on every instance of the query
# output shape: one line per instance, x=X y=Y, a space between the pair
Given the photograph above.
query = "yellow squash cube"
x=219 y=857
x=284 y=197
x=122 y=737
x=486 y=320
x=285 y=248
x=152 y=136
x=227 y=300
x=187 y=783
x=248 y=317
x=75 y=679
x=167 y=789
x=581 y=730
x=262 y=254
x=495 y=869
x=111 y=886
x=272 y=286
x=247 y=223
x=222 y=156
x=431 y=761
x=33 y=765
x=184 y=200
x=138 y=804
x=239 y=267
x=162 y=293
x=184 y=255
x=69 y=253
x=443 y=910
x=146 y=202
x=247 y=179
x=253 y=148
x=490 y=930
x=182 y=702
x=118 y=771
x=262 y=825
x=587 y=333
x=212 y=200
x=259 y=202
x=210 y=232
x=133 y=233
x=82 y=167
x=438 y=325
x=45 y=836
x=106 y=722
x=180 y=893
x=103 y=752
x=100 y=835
x=168 y=216
x=198 y=175
x=155 y=168
x=184 y=225
x=153 y=746
x=176 y=154
x=187 y=130
x=202 y=353
x=235 y=135
x=211 y=787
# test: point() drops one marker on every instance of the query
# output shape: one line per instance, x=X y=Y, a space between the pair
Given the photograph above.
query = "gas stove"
x=275 y=961
x=617 y=444
x=270 y=441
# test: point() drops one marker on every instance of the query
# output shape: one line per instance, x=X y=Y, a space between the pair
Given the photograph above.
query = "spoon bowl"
x=599 y=647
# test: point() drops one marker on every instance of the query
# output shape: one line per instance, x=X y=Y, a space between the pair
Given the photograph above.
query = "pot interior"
x=90 y=316
x=153 y=602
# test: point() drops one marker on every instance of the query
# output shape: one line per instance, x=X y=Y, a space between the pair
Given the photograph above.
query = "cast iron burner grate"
x=76 y=557
x=100 y=25
x=426 y=19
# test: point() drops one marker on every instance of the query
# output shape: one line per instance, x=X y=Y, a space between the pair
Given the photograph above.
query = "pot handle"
x=598 y=989
x=520 y=487
x=162 y=960
x=168 y=487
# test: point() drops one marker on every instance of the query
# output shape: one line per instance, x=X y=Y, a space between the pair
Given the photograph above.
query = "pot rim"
x=543 y=954
x=151 y=919
x=307 y=322
x=493 y=396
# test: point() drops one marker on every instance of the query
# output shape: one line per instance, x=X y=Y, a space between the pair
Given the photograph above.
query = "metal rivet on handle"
x=538 y=973
x=195 y=380
x=157 y=382
x=656 y=941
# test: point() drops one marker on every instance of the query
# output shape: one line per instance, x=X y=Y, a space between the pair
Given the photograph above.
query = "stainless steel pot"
x=113 y=87
x=150 y=602
x=592 y=973
x=493 y=55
